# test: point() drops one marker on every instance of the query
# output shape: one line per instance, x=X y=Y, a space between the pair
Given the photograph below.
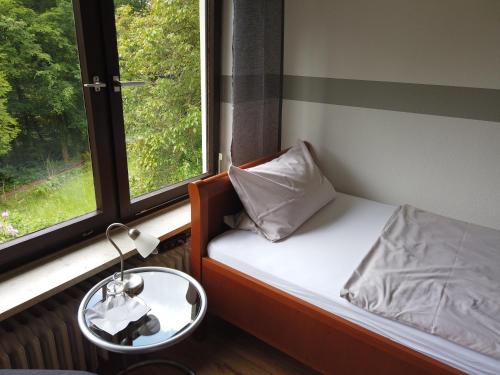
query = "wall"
x=226 y=108
x=400 y=98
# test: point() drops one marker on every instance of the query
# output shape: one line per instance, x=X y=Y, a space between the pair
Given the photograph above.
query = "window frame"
x=107 y=144
x=132 y=207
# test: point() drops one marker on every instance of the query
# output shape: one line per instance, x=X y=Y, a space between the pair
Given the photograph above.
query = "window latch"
x=119 y=84
x=97 y=85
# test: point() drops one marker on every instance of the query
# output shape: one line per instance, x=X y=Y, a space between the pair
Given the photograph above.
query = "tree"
x=38 y=56
x=8 y=125
x=41 y=96
x=160 y=42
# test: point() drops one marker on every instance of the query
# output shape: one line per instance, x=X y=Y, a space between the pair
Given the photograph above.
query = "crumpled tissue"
x=115 y=313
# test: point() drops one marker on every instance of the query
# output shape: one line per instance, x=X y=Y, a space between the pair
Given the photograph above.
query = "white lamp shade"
x=145 y=244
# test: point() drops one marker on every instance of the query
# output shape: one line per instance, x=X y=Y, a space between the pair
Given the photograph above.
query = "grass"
x=55 y=200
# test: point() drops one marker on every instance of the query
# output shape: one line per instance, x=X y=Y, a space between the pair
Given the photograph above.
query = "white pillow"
x=280 y=195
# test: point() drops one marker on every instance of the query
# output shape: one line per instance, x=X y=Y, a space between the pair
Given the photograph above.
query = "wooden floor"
x=224 y=349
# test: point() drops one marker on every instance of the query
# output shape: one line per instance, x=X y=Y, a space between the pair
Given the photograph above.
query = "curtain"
x=256 y=79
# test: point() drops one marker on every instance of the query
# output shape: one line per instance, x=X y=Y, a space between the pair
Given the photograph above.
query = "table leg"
x=161 y=362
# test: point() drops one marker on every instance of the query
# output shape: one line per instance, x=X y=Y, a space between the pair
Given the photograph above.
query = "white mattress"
x=316 y=261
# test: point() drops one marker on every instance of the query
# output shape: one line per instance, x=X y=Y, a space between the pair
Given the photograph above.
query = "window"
x=100 y=121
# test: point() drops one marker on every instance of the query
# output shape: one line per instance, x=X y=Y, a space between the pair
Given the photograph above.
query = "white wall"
x=226 y=134
x=226 y=109
x=444 y=42
x=444 y=164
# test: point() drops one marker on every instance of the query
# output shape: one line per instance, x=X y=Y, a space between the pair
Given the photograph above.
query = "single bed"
x=316 y=261
x=288 y=293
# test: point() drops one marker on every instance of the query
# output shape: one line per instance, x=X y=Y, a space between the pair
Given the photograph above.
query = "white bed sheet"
x=316 y=261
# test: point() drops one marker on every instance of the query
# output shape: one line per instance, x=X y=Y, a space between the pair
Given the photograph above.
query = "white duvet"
x=437 y=274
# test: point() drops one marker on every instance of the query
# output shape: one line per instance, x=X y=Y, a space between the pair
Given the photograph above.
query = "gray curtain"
x=257 y=71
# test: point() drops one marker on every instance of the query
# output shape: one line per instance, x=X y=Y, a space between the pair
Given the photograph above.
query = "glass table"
x=178 y=304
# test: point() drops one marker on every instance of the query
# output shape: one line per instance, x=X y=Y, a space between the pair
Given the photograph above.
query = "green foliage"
x=49 y=202
x=8 y=125
x=136 y=5
x=39 y=58
x=43 y=128
x=163 y=120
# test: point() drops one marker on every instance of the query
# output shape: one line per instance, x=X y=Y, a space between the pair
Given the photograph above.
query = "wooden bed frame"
x=319 y=339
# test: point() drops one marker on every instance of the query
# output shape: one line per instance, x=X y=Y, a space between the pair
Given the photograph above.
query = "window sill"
x=28 y=285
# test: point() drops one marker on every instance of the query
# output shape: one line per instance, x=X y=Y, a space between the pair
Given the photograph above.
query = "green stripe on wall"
x=451 y=101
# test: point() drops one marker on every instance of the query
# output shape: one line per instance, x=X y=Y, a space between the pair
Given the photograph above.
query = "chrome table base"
x=158 y=362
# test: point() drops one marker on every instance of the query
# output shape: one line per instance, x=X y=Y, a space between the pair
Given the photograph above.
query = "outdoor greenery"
x=45 y=169
x=163 y=119
x=50 y=202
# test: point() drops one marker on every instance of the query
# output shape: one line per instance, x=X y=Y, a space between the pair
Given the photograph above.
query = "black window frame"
x=95 y=31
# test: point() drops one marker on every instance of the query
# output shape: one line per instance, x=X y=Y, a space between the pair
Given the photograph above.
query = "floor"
x=223 y=349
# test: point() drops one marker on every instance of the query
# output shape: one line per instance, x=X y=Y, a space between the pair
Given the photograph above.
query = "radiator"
x=47 y=336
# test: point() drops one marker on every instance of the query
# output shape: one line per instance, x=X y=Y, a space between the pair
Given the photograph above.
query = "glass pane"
x=159 y=43
x=45 y=168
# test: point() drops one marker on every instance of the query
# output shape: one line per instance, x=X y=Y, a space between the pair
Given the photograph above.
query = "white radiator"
x=47 y=336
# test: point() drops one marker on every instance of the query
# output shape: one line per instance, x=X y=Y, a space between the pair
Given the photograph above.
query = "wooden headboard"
x=211 y=200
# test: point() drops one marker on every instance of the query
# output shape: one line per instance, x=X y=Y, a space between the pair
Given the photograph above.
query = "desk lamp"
x=145 y=244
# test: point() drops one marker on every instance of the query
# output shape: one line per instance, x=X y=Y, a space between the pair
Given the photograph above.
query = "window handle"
x=97 y=85
x=119 y=84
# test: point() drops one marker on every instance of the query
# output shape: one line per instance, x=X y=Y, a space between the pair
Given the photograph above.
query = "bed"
x=269 y=293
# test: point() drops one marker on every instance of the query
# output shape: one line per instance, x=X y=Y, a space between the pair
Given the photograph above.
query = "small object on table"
x=177 y=305
x=117 y=310
x=145 y=244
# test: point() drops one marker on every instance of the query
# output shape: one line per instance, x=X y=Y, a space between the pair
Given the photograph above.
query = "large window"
x=45 y=173
x=99 y=121
x=159 y=45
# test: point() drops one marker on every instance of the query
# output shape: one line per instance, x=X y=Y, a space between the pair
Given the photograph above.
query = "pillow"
x=241 y=221
x=280 y=195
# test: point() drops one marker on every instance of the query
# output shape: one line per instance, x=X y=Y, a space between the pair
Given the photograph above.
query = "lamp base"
x=133 y=284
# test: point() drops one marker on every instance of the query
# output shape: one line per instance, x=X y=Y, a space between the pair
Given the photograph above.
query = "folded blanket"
x=437 y=274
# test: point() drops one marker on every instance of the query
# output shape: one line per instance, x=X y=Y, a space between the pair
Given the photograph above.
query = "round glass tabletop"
x=177 y=305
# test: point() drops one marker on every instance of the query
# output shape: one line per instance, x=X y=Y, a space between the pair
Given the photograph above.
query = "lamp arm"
x=108 y=236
